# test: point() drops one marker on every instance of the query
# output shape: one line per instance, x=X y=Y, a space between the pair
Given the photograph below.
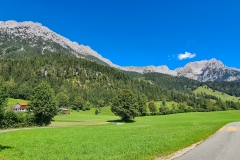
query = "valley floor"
x=83 y=135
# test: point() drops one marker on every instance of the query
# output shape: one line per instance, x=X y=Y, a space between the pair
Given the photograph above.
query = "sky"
x=141 y=32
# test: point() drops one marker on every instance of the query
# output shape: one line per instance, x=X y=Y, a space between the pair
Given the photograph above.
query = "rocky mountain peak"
x=205 y=70
x=214 y=64
x=34 y=31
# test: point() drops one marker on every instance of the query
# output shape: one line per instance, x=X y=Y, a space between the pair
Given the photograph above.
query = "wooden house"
x=21 y=107
x=64 y=110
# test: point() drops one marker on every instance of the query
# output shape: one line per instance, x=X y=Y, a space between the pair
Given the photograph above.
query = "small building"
x=64 y=110
x=21 y=107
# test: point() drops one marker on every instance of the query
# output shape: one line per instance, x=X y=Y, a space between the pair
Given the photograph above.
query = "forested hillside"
x=72 y=76
x=96 y=83
x=181 y=84
x=187 y=85
x=231 y=88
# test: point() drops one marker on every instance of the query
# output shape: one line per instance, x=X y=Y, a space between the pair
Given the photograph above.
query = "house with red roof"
x=21 y=107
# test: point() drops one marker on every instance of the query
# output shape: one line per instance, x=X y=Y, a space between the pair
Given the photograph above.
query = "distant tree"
x=173 y=106
x=24 y=91
x=163 y=108
x=12 y=88
x=125 y=105
x=142 y=105
x=97 y=111
x=152 y=107
x=100 y=103
x=182 y=106
x=3 y=99
x=87 y=106
x=62 y=99
x=43 y=104
x=78 y=103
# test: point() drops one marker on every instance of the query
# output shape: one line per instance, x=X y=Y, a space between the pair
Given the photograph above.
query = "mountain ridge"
x=29 y=29
x=204 y=70
x=19 y=38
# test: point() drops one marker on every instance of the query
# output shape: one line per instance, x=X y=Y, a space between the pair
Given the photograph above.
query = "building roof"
x=23 y=103
x=64 y=109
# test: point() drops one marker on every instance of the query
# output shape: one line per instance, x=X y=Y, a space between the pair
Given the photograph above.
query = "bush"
x=10 y=120
x=97 y=111
x=15 y=120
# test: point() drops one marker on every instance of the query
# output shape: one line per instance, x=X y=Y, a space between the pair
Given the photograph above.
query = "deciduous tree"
x=142 y=105
x=152 y=107
x=62 y=99
x=3 y=99
x=43 y=104
x=125 y=105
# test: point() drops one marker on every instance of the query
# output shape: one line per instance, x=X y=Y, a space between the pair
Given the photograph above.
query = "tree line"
x=81 y=84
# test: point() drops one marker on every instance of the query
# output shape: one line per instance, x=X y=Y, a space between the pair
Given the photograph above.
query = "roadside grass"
x=223 y=96
x=147 y=138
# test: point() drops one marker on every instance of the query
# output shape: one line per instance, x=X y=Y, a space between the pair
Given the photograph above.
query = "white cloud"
x=186 y=55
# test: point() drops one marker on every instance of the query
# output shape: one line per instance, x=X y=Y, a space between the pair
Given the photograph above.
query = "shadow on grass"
x=121 y=121
x=4 y=147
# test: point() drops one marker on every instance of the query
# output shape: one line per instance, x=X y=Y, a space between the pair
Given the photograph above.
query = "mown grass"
x=147 y=138
x=223 y=96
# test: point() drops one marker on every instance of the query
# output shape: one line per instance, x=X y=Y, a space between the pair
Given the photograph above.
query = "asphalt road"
x=223 y=145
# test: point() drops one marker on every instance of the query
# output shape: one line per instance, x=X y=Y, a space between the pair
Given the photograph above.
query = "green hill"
x=221 y=95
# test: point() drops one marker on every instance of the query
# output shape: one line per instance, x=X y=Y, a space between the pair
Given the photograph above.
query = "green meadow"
x=169 y=104
x=12 y=101
x=91 y=136
x=223 y=96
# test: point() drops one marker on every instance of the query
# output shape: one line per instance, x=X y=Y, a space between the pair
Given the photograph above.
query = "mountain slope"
x=212 y=70
x=23 y=39
x=205 y=70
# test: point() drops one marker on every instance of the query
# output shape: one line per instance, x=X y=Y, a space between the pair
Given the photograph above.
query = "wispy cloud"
x=171 y=57
x=186 y=55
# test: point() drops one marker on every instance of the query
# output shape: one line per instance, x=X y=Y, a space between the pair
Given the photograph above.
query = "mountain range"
x=23 y=39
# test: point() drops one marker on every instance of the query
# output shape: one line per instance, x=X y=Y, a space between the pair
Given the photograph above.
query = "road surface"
x=223 y=145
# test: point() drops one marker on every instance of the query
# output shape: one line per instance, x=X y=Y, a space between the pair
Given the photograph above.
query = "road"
x=223 y=145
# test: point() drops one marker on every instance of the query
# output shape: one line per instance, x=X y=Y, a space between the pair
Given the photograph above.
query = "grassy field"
x=146 y=138
x=12 y=101
x=169 y=104
x=86 y=116
x=223 y=97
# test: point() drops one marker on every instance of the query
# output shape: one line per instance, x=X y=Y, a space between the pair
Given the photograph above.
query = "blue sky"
x=141 y=32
